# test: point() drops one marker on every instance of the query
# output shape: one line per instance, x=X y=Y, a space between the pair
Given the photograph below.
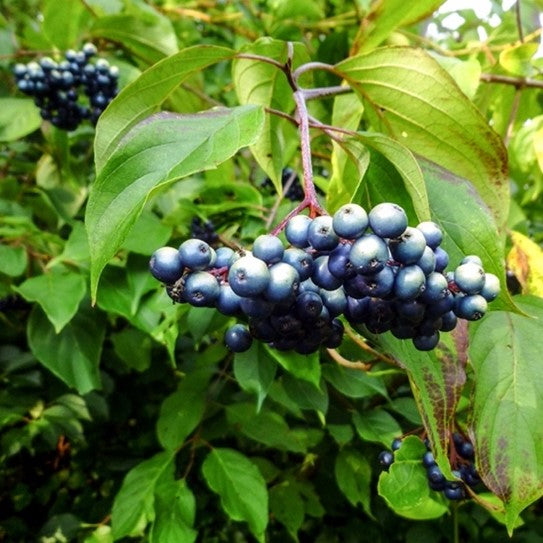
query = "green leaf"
x=59 y=292
x=404 y=90
x=260 y=83
x=467 y=224
x=156 y=153
x=405 y=486
x=377 y=426
x=517 y=59
x=349 y=159
x=353 y=383
x=406 y=165
x=74 y=353
x=175 y=509
x=147 y=234
x=18 y=118
x=287 y=507
x=507 y=422
x=437 y=378
x=146 y=33
x=466 y=73
x=62 y=27
x=353 y=476
x=265 y=427
x=255 y=371
x=13 y=260
x=240 y=486
x=181 y=412
x=385 y=17
x=133 y=507
x=133 y=347
x=306 y=395
x=306 y=367
x=147 y=93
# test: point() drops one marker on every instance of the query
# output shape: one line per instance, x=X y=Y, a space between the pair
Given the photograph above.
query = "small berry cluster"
x=55 y=86
x=203 y=230
x=294 y=191
x=388 y=279
x=465 y=471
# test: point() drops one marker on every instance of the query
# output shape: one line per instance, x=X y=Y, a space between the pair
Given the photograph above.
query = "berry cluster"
x=389 y=278
x=56 y=86
x=465 y=471
x=289 y=177
x=203 y=230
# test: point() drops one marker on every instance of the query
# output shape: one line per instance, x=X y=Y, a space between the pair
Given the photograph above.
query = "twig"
x=512 y=115
x=518 y=82
x=322 y=92
x=363 y=345
x=348 y=363
x=519 y=21
x=279 y=199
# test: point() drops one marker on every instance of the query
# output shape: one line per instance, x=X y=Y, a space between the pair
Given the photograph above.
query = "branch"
x=347 y=363
x=518 y=82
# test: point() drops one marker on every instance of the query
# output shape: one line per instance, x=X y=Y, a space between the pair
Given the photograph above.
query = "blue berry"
x=426 y=343
x=255 y=307
x=469 y=278
x=296 y=231
x=201 y=289
x=432 y=233
x=334 y=300
x=454 y=491
x=338 y=262
x=442 y=259
x=165 y=265
x=350 y=221
x=268 y=248
x=435 y=475
x=409 y=282
x=471 y=308
x=428 y=459
x=436 y=288
x=195 y=254
x=321 y=275
x=491 y=287
x=238 y=339
x=474 y=259
x=427 y=262
x=369 y=254
x=321 y=235
x=283 y=282
x=308 y=305
x=301 y=261
x=448 y=321
x=388 y=220
x=248 y=276
x=228 y=302
x=223 y=256
x=409 y=247
x=386 y=459
x=396 y=444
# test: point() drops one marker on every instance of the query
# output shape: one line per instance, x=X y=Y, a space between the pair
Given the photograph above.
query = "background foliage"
x=128 y=419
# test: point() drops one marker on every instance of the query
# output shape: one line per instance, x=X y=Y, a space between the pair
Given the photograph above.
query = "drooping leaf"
x=156 y=153
x=307 y=395
x=74 y=353
x=133 y=507
x=147 y=93
x=305 y=367
x=59 y=292
x=13 y=260
x=467 y=225
x=260 y=83
x=255 y=370
x=353 y=476
x=404 y=90
x=350 y=159
x=525 y=260
x=145 y=32
x=405 y=485
x=377 y=425
x=507 y=416
x=287 y=506
x=436 y=379
x=384 y=17
x=353 y=383
x=63 y=26
x=181 y=412
x=18 y=118
x=265 y=427
x=516 y=59
x=133 y=347
x=175 y=508
x=240 y=486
